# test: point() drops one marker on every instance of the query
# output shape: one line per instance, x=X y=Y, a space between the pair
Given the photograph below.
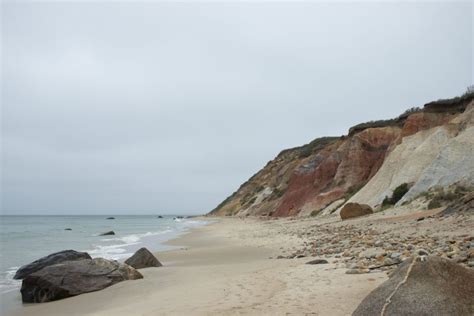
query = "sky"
x=167 y=107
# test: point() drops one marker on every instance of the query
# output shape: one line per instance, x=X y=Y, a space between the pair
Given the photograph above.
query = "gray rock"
x=54 y=258
x=72 y=278
x=433 y=286
x=395 y=255
x=143 y=258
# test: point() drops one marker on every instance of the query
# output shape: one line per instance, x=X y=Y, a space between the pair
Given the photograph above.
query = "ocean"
x=24 y=239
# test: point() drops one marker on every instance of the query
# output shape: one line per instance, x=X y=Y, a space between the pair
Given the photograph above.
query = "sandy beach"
x=225 y=269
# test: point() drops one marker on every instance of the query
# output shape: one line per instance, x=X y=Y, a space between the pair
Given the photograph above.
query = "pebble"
x=357 y=271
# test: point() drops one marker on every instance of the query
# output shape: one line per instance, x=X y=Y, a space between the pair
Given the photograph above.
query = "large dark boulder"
x=72 y=278
x=423 y=286
x=143 y=258
x=351 y=210
x=54 y=258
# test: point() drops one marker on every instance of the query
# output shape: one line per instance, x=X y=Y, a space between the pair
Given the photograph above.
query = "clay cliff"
x=425 y=147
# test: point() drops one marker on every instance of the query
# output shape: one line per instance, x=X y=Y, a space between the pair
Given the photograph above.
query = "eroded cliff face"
x=332 y=172
x=309 y=179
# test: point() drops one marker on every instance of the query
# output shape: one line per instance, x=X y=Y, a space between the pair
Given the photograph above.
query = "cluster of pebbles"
x=365 y=249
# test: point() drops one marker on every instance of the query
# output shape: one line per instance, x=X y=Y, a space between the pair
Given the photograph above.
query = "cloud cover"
x=161 y=107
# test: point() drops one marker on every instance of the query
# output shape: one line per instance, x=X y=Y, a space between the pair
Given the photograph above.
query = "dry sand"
x=226 y=268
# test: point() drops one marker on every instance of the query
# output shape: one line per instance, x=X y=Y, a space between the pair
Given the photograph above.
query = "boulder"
x=108 y=233
x=72 y=278
x=143 y=258
x=423 y=286
x=110 y=217
x=351 y=210
x=54 y=258
x=67 y=229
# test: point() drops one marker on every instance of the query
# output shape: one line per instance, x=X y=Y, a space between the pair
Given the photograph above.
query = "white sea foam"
x=119 y=251
x=7 y=283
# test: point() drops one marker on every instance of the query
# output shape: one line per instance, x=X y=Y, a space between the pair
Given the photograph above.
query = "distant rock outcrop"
x=72 y=278
x=54 y=258
x=423 y=286
x=143 y=258
x=351 y=210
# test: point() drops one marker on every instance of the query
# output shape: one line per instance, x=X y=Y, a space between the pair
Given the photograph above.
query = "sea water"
x=24 y=239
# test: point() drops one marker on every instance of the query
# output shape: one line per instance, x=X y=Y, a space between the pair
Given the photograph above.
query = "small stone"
x=371 y=253
x=352 y=266
x=395 y=255
x=470 y=264
x=357 y=271
x=422 y=252
x=317 y=261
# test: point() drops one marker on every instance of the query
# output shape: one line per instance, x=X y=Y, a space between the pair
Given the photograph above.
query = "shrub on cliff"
x=397 y=195
x=443 y=197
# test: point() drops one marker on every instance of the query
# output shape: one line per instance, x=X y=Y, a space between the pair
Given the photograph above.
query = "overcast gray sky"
x=154 y=107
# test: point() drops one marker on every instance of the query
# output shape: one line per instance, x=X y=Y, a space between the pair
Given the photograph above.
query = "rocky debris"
x=423 y=286
x=108 y=233
x=110 y=217
x=72 y=278
x=351 y=210
x=143 y=258
x=317 y=261
x=54 y=258
x=366 y=248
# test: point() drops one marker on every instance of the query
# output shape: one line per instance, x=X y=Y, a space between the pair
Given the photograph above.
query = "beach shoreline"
x=226 y=267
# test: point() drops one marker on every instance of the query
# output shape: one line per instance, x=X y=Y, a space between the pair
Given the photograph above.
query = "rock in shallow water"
x=72 y=278
x=423 y=286
x=54 y=258
x=108 y=233
x=143 y=258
